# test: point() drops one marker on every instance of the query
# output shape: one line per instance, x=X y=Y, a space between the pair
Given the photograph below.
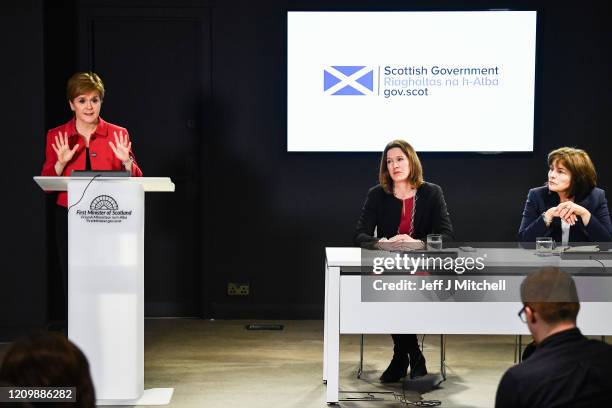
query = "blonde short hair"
x=82 y=83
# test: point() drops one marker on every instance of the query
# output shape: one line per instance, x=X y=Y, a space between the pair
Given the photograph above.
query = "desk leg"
x=325 y=322
x=443 y=356
x=516 y=353
x=332 y=318
x=360 y=368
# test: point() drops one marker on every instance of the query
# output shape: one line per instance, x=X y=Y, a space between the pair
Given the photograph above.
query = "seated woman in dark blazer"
x=402 y=208
x=569 y=208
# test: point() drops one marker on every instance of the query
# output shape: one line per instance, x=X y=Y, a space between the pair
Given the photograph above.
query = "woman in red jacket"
x=86 y=142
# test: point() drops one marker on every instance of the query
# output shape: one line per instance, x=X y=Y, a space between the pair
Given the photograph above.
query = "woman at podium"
x=86 y=142
x=569 y=207
x=402 y=208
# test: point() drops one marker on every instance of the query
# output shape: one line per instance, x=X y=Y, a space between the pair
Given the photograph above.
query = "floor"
x=218 y=364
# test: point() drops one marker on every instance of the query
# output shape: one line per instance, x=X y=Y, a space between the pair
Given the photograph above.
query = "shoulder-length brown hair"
x=416 y=170
x=579 y=164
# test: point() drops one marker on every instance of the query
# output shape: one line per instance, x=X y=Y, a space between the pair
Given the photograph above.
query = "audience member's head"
x=45 y=359
x=550 y=302
x=13 y=404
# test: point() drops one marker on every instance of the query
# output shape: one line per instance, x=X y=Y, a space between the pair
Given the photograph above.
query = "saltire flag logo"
x=348 y=80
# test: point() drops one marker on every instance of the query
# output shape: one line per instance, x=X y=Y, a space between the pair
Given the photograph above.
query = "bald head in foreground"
x=566 y=369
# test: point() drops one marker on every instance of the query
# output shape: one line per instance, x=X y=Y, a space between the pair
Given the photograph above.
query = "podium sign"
x=106 y=281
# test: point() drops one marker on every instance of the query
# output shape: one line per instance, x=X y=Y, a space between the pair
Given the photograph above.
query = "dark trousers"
x=405 y=344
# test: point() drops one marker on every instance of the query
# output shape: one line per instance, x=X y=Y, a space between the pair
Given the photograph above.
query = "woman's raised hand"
x=122 y=147
x=62 y=149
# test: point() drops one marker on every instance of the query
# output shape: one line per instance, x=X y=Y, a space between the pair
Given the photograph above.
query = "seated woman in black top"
x=569 y=208
x=404 y=208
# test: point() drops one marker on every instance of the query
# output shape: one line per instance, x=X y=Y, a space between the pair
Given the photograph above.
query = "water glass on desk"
x=434 y=242
x=544 y=246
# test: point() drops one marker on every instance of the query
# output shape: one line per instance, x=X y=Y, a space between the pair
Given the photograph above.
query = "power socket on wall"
x=237 y=289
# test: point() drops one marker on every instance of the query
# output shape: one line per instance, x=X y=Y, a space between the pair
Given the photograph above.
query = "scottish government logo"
x=348 y=80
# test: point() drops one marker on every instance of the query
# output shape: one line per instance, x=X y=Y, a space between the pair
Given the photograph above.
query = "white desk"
x=345 y=313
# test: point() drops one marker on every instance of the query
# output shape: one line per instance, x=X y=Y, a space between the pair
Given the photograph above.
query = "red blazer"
x=101 y=155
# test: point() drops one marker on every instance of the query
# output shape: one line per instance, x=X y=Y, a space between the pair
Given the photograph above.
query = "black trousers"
x=405 y=344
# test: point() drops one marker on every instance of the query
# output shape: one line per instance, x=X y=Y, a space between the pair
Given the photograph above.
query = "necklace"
x=409 y=193
x=414 y=206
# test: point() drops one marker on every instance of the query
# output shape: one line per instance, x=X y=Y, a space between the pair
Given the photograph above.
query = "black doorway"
x=156 y=67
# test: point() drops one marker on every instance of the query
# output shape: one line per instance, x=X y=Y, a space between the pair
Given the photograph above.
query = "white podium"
x=106 y=281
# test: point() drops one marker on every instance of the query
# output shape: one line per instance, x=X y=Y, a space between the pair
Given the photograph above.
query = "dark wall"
x=290 y=206
x=267 y=214
x=23 y=278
